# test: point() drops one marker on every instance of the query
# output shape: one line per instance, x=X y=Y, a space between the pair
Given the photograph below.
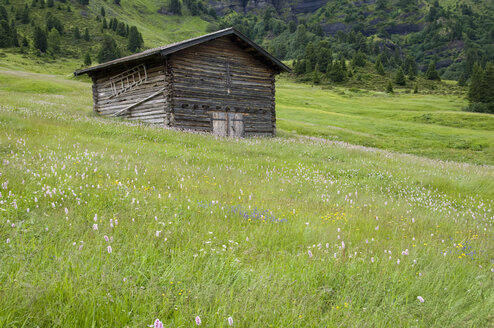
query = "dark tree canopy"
x=109 y=50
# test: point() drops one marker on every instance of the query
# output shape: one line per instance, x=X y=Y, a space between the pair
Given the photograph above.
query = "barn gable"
x=221 y=83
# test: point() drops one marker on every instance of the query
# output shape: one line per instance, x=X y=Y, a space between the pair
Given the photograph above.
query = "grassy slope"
x=211 y=260
x=157 y=29
x=428 y=125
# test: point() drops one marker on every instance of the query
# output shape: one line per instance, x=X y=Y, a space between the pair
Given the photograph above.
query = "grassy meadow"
x=107 y=223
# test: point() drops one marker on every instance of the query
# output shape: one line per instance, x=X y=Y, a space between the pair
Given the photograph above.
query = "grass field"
x=104 y=223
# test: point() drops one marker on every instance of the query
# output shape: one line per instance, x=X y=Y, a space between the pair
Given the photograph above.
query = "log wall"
x=220 y=76
x=152 y=110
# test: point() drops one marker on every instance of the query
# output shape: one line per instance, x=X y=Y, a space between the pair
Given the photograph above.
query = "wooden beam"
x=138 y=103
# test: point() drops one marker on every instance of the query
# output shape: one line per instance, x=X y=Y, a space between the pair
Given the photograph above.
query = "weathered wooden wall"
x=220 y=76
x=151 y=111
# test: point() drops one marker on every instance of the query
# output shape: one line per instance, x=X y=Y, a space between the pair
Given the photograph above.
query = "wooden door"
x=220 y=124
x=235 y=125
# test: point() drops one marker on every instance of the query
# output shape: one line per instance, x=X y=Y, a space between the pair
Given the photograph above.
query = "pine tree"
x=358 y=59
x=416 y=88
x=379 y=66
x=87 y=59
x=462 y=81
x=431 y=73
x=77 y=33
x=53 y=41
x=135 y=40
x=103 y=13
x=25 y=15
x=15 y=38
x=40 y=41
x=175 y=7
x=310 y=56
x=389 y=87
x=105 y=23
x=5 y=34
x=109 y=50
x=316 y=79
x=487 y=87
x=400 y=77
x=475 y=89
x=86 y=34
x=337 y=74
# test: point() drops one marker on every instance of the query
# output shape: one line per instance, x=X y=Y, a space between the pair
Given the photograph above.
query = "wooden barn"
x=221 y=83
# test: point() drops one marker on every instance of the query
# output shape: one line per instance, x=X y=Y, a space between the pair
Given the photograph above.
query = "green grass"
x=237 y=219
x=428 y=125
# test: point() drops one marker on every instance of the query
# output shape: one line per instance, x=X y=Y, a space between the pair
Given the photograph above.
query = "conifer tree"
x=487 y=87
x=53 y=41
x=86 y=34
x=389 y=87
x=400 y=77
x=40 y=41
x=135 y=40
x=175 y=7
x=87 y=59
x=462 y=81
x=5 y=34
x=475 y=89
x=109 y=50
x=431 y=73
x=316 y=78
x=379 y=66
x=416 y=88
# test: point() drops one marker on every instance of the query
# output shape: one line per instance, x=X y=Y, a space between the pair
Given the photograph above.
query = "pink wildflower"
x=198 y=321
x=109 y=249
x=158 y=324
x=421 y=299
x=230 y=321
x=310 y=254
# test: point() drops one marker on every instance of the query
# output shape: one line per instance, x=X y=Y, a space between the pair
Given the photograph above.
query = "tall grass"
x=293 y=231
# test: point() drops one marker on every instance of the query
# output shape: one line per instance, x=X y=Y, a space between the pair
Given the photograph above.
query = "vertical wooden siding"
x=151 y=111
x=221 y=76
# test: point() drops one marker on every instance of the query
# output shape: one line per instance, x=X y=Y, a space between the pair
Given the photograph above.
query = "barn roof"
x=174 y=47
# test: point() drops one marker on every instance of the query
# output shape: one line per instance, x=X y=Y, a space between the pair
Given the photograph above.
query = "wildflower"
x=8 y=242
x=95 y=226
x=106 y=238
x=198 y=321
x=158 y=233
x=342 y=245
x=405 y=252
x=109 y=249
x=398 y=261
x=372 y=259
x=230 y=321
x=310 y=254
x=421 y=299
x=158 y=324
x=95 y=217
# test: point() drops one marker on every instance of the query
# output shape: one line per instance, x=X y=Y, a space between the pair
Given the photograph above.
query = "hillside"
x=452 y=35
x=106 y=223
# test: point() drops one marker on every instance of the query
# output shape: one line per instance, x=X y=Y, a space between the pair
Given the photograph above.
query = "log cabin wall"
x=220 y=77
x=146 y=87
